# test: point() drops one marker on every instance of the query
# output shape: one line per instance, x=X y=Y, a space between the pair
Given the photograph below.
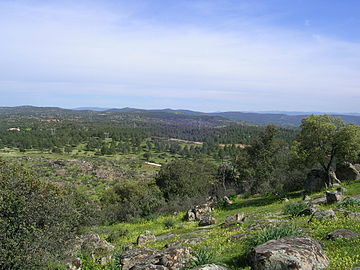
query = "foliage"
x=261 y=166
x=36 y=219
x=186 y=179
x=271 y=233
x=349 y=202
x=295 y=208
x=203 y=256
x=131 y=199
x=324 y=140
x=169 y=223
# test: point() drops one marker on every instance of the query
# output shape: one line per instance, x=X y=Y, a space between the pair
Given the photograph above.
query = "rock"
x=306 y=198
x=325 y=214
x=318 y=201
x=294 y=252
x=146 y=237
x=308 y=211
x=199 y=212
x=233 y=220
x=165 y=236
x=315 y=181
x=237 y=237
x=286 y=200
x=227 y=201
x=100 y=250
x=172 y=258
x=347 y=172
x=341 y=190
x=341 y=233
x=189 y=241
x=350 y=214
x=210 y=267
x=333 y=197
x=206 y=221
x=73 y=264
x=133 y=257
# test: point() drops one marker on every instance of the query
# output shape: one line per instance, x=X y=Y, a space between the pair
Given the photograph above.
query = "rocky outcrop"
x=315 y=181
x=146 y=237
x=227 y=201
x=210 y=267
x=233 y=220
x=347 y=172
x=341 y=233
x=199 y=212
x=100 y=250
x=318 y=201
x=325 y=214
x=333 y=197
x=73 y=264
x=295 y=252
x=172 y=258
x=206 y=221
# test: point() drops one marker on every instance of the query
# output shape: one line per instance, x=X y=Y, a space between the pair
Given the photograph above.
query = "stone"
x=294 y=252
x=198 y=212
x=237 y=237
x=325 y=214
x=73 y=264
x=189 y=241
x=146 y=237
x=172 y=258
x=210 y=267
x=347 y=172
x=355 y=215
x=285 y=200
x=206 y=221
x=318 y=201
x=99 y=249
x=315 y=181
x=233 y=220
x=308 y=211
x=306 y=198
x=341 y=190
x=227 y=201
x=333 y=197
x=341 y=233
x=165 y=236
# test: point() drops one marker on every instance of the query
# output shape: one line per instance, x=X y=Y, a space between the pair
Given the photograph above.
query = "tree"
x=186 y=179
x=261 y=166
x=37 y=219
x=325 y=140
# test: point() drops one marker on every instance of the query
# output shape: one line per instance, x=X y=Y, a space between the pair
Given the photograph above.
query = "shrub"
x=350 y=202
x=294 y=209
x=115 y=235
x=203 y=256
x=37 y=219
x=271 y=233
x=169 y=223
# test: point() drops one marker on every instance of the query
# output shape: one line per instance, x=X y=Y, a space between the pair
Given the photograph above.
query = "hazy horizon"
x=201 y=55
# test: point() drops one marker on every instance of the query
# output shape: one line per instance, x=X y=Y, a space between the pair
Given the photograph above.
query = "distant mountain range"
x=281 y=118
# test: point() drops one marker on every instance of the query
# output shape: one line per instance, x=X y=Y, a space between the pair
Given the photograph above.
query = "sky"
x=204 y=55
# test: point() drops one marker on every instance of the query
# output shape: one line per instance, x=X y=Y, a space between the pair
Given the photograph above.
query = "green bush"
x=169 y=223
x=203 y=256
x=115 y=235
x=350 y=202
x=271 y=233
x=294 y=209
x=37 y=219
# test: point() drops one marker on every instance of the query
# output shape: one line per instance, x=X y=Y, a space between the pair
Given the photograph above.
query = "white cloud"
x=112 y=52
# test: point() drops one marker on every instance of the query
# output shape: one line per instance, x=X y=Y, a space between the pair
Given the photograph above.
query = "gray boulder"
x=333 y=197
x=210 y=267
x=198 y=212
x=347 y=172
x=73 y=264
x=172 y=258
x=341 y=233
x=325 y=214
x=100 y=250
x=294 y=252
x=233 y=220
x=146 y=237
x=206 y=221
x=227 y=201
x=318 y=201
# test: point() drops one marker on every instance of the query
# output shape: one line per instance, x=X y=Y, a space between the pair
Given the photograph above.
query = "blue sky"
x=206 y=55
